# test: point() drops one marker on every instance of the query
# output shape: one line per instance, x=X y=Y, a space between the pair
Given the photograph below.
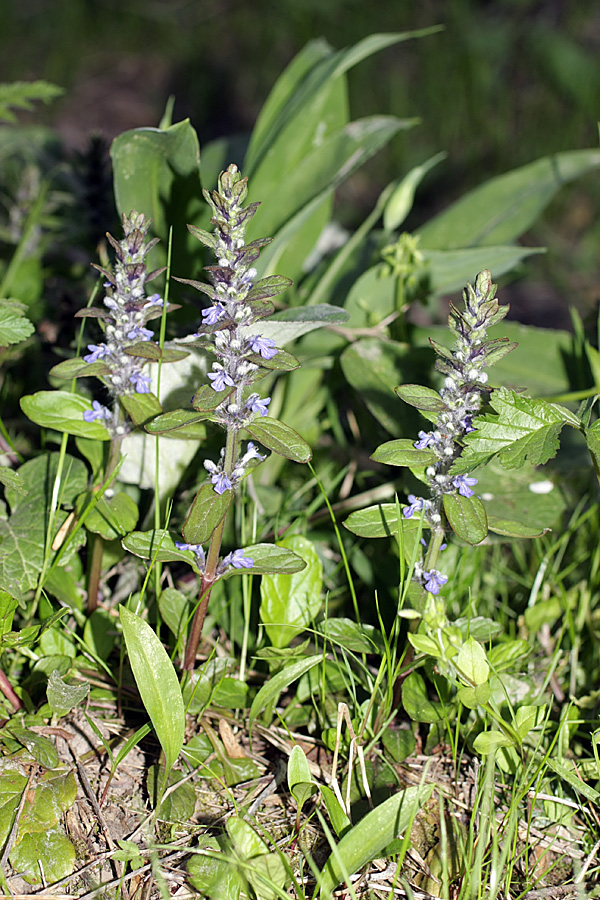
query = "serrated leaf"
x=467 y=517
x=207 y=511
x=403 y=453
x=279 y=437
x=157 y=683
x=523 y=431
x=14 y=326
x=63 y=411
x=289 y=603
x=23 y=94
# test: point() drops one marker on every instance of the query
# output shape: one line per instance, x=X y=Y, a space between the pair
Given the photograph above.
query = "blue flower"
x=467 y=424
x=434 y=581
x=154 y=300
x=237 y=560
x=140 y=334
x=463 y=485
x=257 y=405
x=221 y=482
x=141 y=382
x=416 y=505
x=426 y=439
x=196 y=549
x=212 y=315
x=263 y=345
x=220 y=380
x=99 y=351
x=97 y=412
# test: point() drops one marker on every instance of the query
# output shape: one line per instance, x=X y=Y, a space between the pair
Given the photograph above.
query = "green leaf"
x=113 y=518
x=592 y=436
x=399 y=744
x=13 y=480
x=276 y=436
x=63 y=411
x=62 y=696
x=524 y=431
x=291 y=324
x=159 y=545
x=14 y=325
x=350 y=635
x=270 y=691
x=207 y=512
x=467 y=517
x=368 y=838
x=449 y=270
x=51 y=850
x=150 y=350
x=472 y=697
x=382 y=521
x=403 y=453
x=471 y=662
x=271 y=559
x=215 y=876
x=23 y=534
x=289 y=603
x=416 y=702
x=513 y=529
x=299 y=777
x=338 y=818
x=402 y=197
x=421 y=397
x=23 y=94
x=567 y=771
x=490 y=741
x=503 y=208
x=76 y=367
x=174 y=610
x=185 y=422
x=41 y=749
x=157 y=683
x=141 y=407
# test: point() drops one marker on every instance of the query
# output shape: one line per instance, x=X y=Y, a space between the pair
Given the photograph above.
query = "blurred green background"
x=505 y=82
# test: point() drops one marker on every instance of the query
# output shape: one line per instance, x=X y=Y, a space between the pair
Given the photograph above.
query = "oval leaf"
x=63 y=411
x=269 y=559
x=467 y=517
x=158 y=545
x=207 y=511
x=157 y=683
x=403 y=453
x=280 y=438
x=421 y=397
x=289 y=603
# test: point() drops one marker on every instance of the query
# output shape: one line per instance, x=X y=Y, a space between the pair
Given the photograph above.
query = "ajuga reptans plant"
x=242 y=356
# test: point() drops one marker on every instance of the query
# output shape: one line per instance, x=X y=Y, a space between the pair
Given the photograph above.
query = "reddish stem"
x=197 y=625
x=6 y=688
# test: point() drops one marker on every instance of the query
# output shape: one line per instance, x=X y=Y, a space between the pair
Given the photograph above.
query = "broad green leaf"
x=527 y=717
x=63 y=411
x=212 y=871
x=157 y=683
x=114 y=517
x=567 y=771
x=76 y=367
x=472 y=697
x=159 y=545
x=279 y=437
x=449 y=270
x=51 y=850
x=271 y=559
x=271 y=690
x=207 y=511
x=266 y=872
x=291 y=324
x=382 y=521
x=99 y=634
x=421 y=397
x=416 y=702
x=513 y=529
x=399 y=743
x=14 y=325
x=368 y=838
x=299 y=777
x=402 y=198
x=23 y=534
x=150 y=350
x=503 y=656
x=372 y=298
x=403 y=453
x=289 y=603
x=8 y=607
x=592 y=436
x=374 y=368
x=12 y=480
x=62 y=696
x=523 y=431
x=490 y=741
x=338 y=818
x=157 y=172
x=41 y=748
x=471 y=662
x=184 y=423
x=467 y=517
x=350 y=635
x=503 y=208
x=141 y=407
x=174 y=610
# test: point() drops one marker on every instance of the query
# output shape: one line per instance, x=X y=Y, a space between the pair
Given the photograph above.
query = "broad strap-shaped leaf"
x=158 y=545
x=290 y=602
x=421 y=397
x=379 y=521
x=268 y=559
x=290 y=324
x=368 y=838
x=63 y=411
x=513 y=529
x=467 y=517
x=449 y=270
x=280 y=438
x=403 y=453
x=207 y=511
x=269 y=692
x=157 y=683
x=206 y=399
x=141 y=407
x=78 y=368
x=502 y=209
x=150 y=350
x=524 y=430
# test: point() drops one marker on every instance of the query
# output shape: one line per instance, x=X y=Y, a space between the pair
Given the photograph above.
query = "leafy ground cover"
x=298 y=596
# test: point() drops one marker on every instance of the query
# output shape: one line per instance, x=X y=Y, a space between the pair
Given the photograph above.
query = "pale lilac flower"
x=463 y=485
x=99 y=351
x=140 y=334
x=221 y=482
x=220 y=380
x=97 y=412
x=426 y=439
x=416 y=505
x=257 y=404
x=142 y=383
x=212 y=315
x=434 y=580
x=252 y=452
x=237 y=560
x=264 y=346
x=197 y=549
x=154 y=300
